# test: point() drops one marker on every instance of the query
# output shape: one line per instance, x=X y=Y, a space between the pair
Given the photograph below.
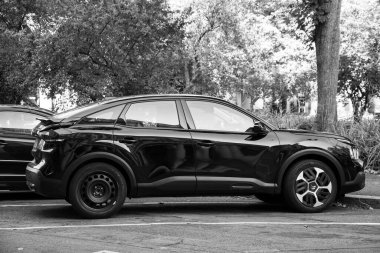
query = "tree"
x=359 y=73
x=320 y=19
x=103 y=48
x=17 y=40
x=233 y=46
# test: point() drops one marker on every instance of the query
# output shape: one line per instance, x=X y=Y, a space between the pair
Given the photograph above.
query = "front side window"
x=156 y=114
x=107 y=116
x=20 y=122
x=218 y=117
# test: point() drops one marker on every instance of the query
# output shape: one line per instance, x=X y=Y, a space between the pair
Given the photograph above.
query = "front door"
x=231 y=159
x=152 y=137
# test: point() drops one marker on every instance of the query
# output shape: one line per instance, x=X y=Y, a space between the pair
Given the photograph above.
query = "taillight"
x=36 y=129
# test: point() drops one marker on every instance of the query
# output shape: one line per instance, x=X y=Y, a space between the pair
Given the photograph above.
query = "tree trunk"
x=357 y=110
x=187 y=76
x=327 y=40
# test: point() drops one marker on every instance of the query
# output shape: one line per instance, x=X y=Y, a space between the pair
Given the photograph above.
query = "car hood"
x=317 y=134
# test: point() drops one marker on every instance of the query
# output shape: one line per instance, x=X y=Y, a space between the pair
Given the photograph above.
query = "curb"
x=363 y=201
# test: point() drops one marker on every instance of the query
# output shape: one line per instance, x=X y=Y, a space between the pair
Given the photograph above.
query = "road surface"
x=217 y=224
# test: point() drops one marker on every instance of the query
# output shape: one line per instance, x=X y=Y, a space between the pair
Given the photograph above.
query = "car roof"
x=10 y=107
x=87 y=109
x=113 y=99
x=92 y=107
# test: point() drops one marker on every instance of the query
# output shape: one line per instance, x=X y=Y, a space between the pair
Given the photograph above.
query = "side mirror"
x=258 y=129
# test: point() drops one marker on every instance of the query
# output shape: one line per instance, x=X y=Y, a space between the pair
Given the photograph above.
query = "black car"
x=185 y=145
x=16 y=124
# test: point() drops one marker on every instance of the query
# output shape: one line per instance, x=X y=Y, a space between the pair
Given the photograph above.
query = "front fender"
x=312 y=153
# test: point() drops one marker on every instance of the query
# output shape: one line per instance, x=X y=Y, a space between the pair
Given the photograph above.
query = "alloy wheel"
x=313 y=187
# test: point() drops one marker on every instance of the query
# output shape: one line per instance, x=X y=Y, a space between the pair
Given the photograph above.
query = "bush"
x=365 y=135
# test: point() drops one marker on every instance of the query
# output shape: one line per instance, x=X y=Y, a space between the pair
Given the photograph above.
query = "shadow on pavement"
x=129 y=210
x=58 y=212
x=199 y=208
x=27 y=195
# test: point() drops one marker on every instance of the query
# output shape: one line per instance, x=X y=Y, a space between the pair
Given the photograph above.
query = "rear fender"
x=126 y=170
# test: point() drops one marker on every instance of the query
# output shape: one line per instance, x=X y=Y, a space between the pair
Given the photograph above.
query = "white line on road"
x=197 y=223
x=362 y=196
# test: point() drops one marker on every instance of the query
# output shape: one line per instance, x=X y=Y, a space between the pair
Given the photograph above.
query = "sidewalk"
x=370 y=195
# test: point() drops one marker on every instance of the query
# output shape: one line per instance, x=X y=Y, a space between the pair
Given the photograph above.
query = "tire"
x=97 y=190
x=310 y=186
x=269 y=198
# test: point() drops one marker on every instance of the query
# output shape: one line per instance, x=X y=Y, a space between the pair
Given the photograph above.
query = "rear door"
x=152 y=136
x=16 y=144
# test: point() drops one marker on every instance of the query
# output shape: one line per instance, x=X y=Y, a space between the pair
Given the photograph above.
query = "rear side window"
x=19 y=122
x=157 y=114
x=107 y=116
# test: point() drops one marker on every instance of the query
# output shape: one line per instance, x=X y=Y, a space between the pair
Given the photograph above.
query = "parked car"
x=184 y=145
x=16 y=142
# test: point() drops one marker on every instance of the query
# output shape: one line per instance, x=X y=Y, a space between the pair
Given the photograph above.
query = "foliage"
x=17 y=41
x=246 y=46
x=102 y=48
x=360 y=57
x=365 y=135
x=308 y=13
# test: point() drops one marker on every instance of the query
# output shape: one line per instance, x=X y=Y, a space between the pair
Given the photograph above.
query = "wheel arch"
x=105 y=157
x=314 y=154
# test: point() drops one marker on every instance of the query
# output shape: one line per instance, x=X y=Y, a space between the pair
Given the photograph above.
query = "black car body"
x=183 y=145
x=16 y=142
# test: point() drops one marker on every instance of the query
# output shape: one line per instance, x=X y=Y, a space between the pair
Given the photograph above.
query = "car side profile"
x=16 y=143
x=185 y=145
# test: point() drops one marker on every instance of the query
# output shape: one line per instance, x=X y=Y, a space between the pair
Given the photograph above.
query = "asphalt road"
x=29 y=224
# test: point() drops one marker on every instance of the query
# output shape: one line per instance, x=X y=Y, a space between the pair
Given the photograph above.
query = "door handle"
x=206 y=143
x=128 y=140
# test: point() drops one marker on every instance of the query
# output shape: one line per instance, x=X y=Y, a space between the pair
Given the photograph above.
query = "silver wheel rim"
x=313 y=187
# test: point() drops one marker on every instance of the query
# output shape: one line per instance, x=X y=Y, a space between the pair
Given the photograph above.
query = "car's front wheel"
x=97 y=190
x=310 y=186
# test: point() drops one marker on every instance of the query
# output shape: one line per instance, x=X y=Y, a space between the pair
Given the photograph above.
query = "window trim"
x=179 y=109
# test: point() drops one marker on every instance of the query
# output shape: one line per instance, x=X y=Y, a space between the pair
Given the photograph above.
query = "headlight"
x=354 y=153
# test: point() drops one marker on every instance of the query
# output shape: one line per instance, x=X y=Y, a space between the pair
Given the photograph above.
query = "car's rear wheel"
x=97 y=190
x=310 y=186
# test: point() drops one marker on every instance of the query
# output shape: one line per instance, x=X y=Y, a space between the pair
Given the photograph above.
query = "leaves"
x=115 y=48
x=359 y=64
x=17 y=40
